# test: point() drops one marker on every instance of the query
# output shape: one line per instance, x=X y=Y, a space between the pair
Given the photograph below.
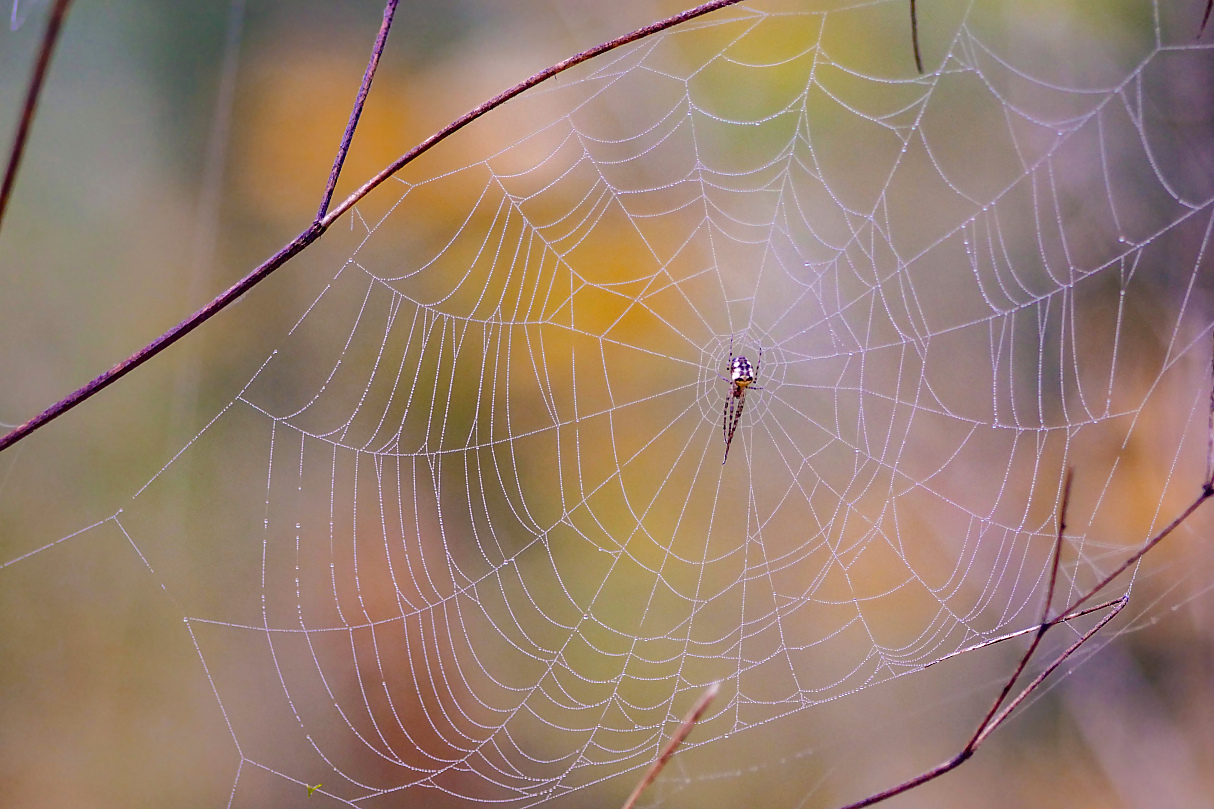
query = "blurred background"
x=963 y=283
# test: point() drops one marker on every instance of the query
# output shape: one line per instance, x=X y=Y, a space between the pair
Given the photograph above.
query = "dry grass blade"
x=685 y=727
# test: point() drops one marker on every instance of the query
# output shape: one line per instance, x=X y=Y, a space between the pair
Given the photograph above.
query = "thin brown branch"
x=990 y=727
x=49 y=38
x=1062 y=509
x=560 y=67
x=359 y=102
x=1061 y=619
x=684 y=728
x=1205 y=495
x=991 y=724
x=1119 y=605
x=1041 y=624
x=915 y=36
x=1206 y=17
x=165 y=340
x=314 y=231
x=995 y=717
x=999 y=712
x=1207 y=491
x=918 y=780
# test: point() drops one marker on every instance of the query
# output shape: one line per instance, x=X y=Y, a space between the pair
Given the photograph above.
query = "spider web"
x=476 y=535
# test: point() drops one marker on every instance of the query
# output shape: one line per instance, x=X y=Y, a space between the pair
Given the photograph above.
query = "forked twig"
x=1042 y=625
x=999 y=711
x=359 y=101
x=684 y=728
x=1061 y=619
x=995 y=716
x=1118 y=606
x=560 y=67
x=321 y=224
x=49 y=38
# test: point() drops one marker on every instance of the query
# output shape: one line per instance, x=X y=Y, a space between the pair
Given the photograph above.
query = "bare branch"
x=995 y=717
x=359 y=101
x=1119 y=605
x=1042 y=626
x=314 y=231
x=1061 y=619
x=1206 y=492
x=1206 y=17
x=688 y=723
x=989 y=727
x=915 y=36
x=999 y=712
x=165 y=340
x=49 y=37
x=560 y=67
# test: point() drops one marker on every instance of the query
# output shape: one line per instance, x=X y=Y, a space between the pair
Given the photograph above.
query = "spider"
x=741 y=378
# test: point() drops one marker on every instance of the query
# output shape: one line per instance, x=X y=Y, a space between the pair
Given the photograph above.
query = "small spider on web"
x=741 y=378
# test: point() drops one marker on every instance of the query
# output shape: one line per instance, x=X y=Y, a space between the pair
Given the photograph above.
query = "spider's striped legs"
x=732 y=416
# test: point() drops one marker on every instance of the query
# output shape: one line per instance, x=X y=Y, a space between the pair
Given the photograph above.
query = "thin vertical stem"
x=1042 y=626
x=359 y=101
x=49 y=38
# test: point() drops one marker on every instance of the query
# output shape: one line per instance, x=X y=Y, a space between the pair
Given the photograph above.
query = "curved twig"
x=318 y=227
x=560 y=67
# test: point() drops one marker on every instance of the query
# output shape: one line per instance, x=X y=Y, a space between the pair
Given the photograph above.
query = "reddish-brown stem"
x=994 y=717
x=680 y=734
x=1206 y=493
x=49 y=37
x=165 y=340
x=314 y=231
x=1118 y=606
x=993 y=723
x=498 y=100
x=1041 y=624
x=999 y=712
x=915 y=36
x=360 y=101
x=1061 y=619
x=918 y=780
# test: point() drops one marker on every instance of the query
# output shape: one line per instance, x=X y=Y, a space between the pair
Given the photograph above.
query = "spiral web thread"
x=475 y=531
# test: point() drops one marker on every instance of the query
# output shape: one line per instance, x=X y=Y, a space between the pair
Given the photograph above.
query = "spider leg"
x=725 y=422
x=733 y=416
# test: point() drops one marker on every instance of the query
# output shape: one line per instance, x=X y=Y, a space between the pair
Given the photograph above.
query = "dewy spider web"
x=493 y=551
